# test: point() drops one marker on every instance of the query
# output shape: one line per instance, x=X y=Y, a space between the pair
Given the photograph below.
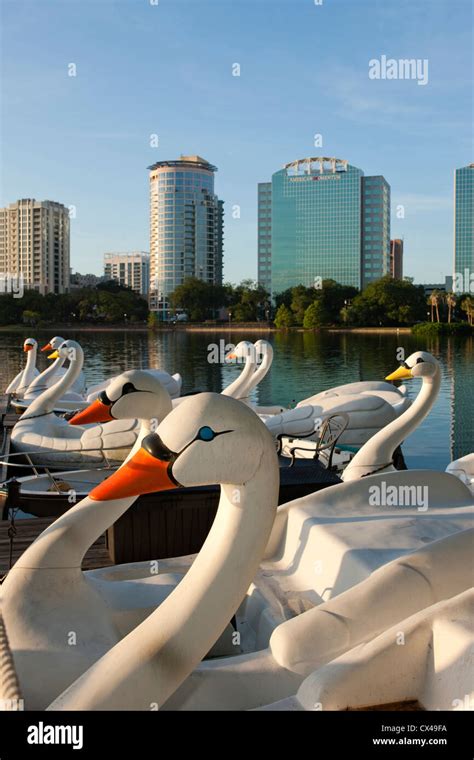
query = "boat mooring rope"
x=10 y=695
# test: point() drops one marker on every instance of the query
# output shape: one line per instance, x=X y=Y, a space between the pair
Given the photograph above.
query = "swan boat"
x=33 y=384
x=285 y=564
x=133 y=393
x=76 y=396
x=51 y=494
x=25 y=376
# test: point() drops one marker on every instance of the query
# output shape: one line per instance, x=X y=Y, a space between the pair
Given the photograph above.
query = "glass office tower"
x=186 y=227
x=265 y=235
x=463 y=227
x=327 y=221
x=375 y=192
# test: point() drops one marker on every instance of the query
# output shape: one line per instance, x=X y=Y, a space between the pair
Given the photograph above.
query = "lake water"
x=304 y=363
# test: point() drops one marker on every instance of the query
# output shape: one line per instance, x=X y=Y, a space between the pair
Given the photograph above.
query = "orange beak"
x=231 y=356
x=143 y=473
x=27 y=348
x=47 y=347
x=96 y=412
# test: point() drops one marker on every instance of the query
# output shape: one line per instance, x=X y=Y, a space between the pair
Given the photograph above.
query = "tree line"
x=385 y=302
x=108 y=302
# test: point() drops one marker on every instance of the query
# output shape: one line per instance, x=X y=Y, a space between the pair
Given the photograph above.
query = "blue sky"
x=166 y=69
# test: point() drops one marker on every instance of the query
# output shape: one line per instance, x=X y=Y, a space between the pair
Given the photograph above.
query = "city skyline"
x=128 y=103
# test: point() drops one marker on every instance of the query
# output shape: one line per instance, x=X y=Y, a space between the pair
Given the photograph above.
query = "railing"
x=328 y=435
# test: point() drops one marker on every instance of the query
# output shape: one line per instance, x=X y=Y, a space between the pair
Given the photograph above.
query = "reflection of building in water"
x=462 y=398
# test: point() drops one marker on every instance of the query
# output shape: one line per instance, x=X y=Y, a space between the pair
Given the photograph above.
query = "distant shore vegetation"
x=387 y=302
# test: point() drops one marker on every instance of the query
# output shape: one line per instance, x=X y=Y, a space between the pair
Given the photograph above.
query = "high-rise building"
x=186 y=227
x=463 y=275
x=396 y=259
x=375 y=229
x=34 y=244
x=129 y=269
x=327 y=221
x=265 y=235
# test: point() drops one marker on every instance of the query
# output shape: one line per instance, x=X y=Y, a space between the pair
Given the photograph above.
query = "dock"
x=27 y=530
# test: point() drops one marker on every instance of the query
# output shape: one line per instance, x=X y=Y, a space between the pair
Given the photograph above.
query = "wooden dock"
x=29 y=529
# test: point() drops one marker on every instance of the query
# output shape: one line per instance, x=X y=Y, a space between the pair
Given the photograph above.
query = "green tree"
x=301 y=298
x=196 y=297
x=152 y=321
x=315 y=315
x=434 y=300
x=451 y=303
x=467 y=305
x=248 y=301
x=31 y=317
x=283 y=317
x=388 y=302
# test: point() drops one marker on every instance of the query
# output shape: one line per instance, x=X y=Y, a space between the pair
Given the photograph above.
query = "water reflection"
x=304 y=364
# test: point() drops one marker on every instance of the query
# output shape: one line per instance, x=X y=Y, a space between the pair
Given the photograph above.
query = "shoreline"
x=244 y=327
x=200 y=328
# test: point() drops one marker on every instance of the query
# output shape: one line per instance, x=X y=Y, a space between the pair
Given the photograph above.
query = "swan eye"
x=420 y=360
x=128 y=388
x=205 y=434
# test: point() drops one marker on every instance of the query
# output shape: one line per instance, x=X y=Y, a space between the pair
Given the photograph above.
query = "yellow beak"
x=402 y=373
x=54 y=355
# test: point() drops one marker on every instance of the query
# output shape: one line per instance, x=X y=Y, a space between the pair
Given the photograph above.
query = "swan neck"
x=29 y=371
x=50 y=370
x=46 y=402
x=261 y=370
x=238 y=388
x=159 y=654
x=380 y=448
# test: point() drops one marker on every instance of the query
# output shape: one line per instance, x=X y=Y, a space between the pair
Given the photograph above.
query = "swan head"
x=69 y=349
x=29 y=345
x=135 y=394
x=53 y=344
x=208 y=439
x=243 y=350
x=419 y=364
x=263 y=348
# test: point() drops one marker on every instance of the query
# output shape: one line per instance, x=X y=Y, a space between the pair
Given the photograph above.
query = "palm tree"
x=451 y=302
x=467 y=305
x=434 y=301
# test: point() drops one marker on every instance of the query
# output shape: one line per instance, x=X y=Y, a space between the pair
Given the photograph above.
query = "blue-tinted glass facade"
x=186 y=227
x=316 y=227
x=326 y=221
x=375 y=228
x=463 y=227
x=265 y=235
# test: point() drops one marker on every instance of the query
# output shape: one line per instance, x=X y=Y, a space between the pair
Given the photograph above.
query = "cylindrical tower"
x=186 y=222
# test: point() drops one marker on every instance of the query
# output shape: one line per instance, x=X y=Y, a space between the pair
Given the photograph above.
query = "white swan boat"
x=136 y=392
x=463 y=468
x=25 y=376
x=283 y=568
x=49 y=440
x=76 y=396
x=33 y=382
